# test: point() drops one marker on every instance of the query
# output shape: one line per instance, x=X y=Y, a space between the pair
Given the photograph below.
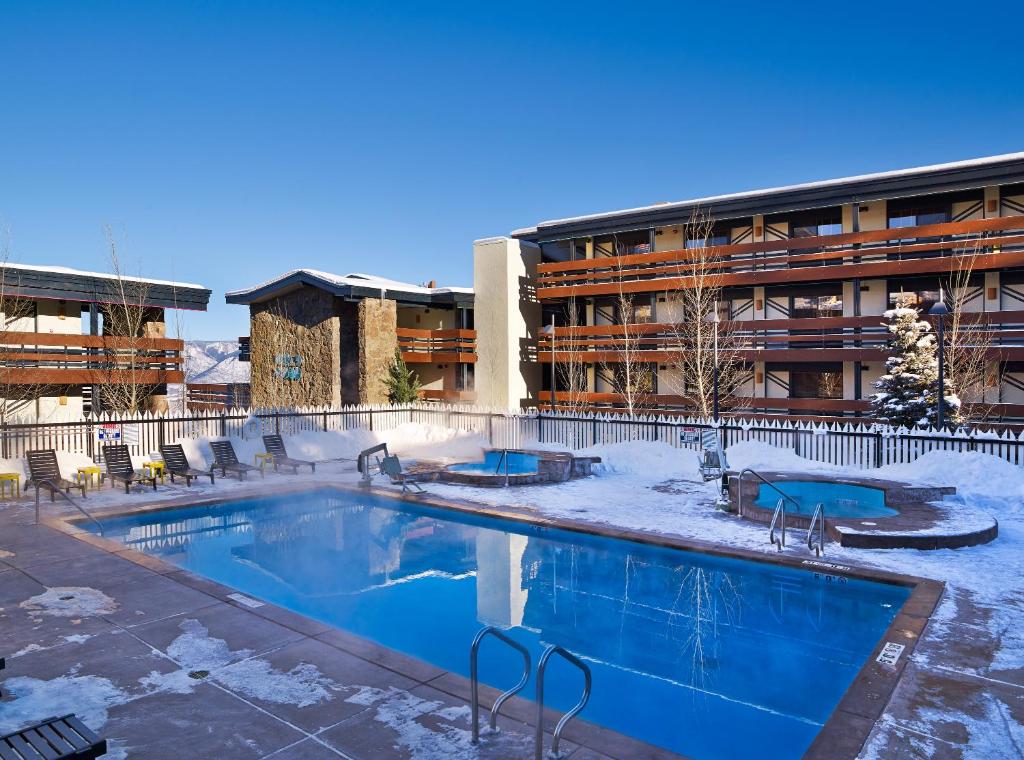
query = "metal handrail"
x=817 y=519
x=780 y=509
x=474 y=679
x=539 y=729
x=56 y=489
x=739 y=484
x=503 y=458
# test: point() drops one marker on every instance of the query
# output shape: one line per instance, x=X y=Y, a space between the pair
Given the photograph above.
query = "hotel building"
x=805 y=271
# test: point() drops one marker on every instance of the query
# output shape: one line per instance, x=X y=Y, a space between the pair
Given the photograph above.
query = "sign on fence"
x=108 y=432
x=689 y=435
x=130 y=434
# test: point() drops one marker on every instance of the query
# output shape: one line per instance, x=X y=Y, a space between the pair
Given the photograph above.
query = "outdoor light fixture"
x=939 y=311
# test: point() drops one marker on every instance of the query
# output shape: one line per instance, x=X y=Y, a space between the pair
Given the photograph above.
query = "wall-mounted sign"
x=288 y=366
x=108 y=432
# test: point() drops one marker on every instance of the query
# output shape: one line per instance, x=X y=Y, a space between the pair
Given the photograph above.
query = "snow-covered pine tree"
x=403 y=384
x=906 y=391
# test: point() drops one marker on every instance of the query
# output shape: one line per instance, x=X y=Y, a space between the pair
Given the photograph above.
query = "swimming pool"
x=704 y=655
x=839 y=499
x=519 y=463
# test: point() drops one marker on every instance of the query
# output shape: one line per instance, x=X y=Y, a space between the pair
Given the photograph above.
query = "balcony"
x=217 y=396
x=54 y=359
x=448 y=397
x=455 y=346
x=832 y=339
x=926 y=249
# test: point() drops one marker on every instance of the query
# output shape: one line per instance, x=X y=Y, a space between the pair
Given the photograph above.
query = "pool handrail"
x=817 y=520
x=539 y=728
x=474 y=678
x=756 y=474
x=780 y=509
x=503 y=458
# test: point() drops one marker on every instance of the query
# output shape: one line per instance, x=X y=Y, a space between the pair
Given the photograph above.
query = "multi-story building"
x=805 y=271
x=320 y=339
x=75 y=342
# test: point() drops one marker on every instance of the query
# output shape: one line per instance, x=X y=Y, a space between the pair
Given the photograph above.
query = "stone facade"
x=309 y=348
x=294 y=350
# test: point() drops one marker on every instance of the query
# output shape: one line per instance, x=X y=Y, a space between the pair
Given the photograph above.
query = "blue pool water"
x=711 y=657
x=518 y=464
x=839 y=499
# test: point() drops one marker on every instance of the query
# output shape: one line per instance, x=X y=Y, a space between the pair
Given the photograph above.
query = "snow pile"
x=971 y=472
x=645 y=459
x=763 y=456
x=71 y=601
x=66 y=461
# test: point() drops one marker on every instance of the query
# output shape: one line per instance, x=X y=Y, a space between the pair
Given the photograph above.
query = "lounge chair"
x=176 y=463
x=392 y=467
x=225 y=460
x=64 y=738
x=44 y=472
x=274 y=445
x=120 y=468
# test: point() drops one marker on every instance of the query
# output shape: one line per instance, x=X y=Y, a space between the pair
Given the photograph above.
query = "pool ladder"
x=474 y=679
x=817 y=526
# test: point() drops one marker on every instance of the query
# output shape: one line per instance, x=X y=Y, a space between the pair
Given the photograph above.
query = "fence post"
x=490 y=429
x=4 y=432
x=160 y=432
x=878 y=449
x=371 y=419
x=223 y=424
x=540 y=428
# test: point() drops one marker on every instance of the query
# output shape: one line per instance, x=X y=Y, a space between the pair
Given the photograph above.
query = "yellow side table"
x=14 y=479
x=154 y=470
x=91 y=474
x=263 y=460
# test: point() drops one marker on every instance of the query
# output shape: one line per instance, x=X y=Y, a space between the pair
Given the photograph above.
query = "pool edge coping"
x=843 y=734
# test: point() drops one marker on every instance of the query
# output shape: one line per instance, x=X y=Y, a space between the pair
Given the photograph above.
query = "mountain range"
x=214 y=361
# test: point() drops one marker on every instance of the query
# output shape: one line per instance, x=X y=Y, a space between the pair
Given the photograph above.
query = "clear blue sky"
x=226 y=142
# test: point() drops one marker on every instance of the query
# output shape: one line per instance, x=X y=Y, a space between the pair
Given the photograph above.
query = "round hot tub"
x=498 y=462
x=838 y=499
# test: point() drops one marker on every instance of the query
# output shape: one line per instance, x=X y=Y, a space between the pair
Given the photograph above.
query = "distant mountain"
x=214 y=361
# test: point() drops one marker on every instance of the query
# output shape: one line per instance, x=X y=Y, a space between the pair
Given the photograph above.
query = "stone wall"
x=378 y=320
x=303 y=324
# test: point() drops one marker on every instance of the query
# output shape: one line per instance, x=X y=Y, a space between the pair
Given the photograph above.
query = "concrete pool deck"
x=121 y=648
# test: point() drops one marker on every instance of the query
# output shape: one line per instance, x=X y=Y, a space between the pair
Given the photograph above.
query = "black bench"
x=64 y=738
x=274 y=445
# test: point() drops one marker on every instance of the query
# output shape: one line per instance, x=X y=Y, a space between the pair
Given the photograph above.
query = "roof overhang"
x=57 y=284
x=941 y=178
x=348 y=291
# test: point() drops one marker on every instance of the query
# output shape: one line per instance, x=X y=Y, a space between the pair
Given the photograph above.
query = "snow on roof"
x=100 y=275
x=354 y=279
x=784 y=188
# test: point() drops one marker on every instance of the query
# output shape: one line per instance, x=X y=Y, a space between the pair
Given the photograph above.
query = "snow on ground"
x=655 y=487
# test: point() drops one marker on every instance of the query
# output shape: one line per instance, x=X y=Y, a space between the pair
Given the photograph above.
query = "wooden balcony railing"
x=455 y=346
x=451 y=397
x=217 y=396
x=53 y=359
x=782 y=340
x=925 y=249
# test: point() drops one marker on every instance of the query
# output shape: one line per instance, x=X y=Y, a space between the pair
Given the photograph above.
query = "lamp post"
x=549 y=330
x=939 y=311
x=714 y=319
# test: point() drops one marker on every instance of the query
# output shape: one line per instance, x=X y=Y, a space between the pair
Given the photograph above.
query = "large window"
x=824 y=381
x=919 y=293
x=816 y=306
x=714 y=239
x=916 y=212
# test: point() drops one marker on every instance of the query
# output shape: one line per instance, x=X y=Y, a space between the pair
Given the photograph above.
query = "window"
x=816 y=306
x=816 y=230
x=816 y=383
x=714 y=239
x=918 y=213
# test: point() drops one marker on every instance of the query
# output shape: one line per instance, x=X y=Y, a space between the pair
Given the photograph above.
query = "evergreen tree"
x=906 y=392
x=403 y=384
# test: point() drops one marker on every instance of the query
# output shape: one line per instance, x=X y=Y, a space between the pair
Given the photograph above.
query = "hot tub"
x=839 y=499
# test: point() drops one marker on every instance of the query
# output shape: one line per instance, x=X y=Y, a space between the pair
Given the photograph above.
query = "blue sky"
x=226 y=142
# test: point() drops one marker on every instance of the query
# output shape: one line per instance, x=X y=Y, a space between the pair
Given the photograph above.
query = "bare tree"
x=969 y=338
x=127 y=321
x=570 y=368
x=697 y=312
x=17 y=317
x=630 y=371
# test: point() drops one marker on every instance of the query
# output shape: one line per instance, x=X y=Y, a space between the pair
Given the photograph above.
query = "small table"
x=263 y=460
x=14 y=479
x=154 y=470
x=91 y=474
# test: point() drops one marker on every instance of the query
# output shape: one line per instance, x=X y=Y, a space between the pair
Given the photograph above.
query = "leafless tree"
x=570 y=368
x=17 y=316
x=630 y=370
x=127 y=321
x=969 y=339
x=695 y=306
